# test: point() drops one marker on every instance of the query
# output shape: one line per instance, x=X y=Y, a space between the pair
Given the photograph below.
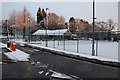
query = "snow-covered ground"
x=2 y=45
x=17 y=55
x=1 y=36
x=60 y=75
x=107 y=51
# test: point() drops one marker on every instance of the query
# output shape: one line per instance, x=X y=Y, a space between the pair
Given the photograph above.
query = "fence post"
x=64 y=42
x=39 y=38
x=97 y=45
x=35 y=37
x=54 y=41
x=78 y=42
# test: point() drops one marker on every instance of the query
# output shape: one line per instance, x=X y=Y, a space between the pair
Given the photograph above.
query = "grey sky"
x=104 y=10
x=0 y=10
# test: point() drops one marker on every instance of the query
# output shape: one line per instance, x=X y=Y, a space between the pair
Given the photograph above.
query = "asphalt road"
x=18 y=70
x=0 y=65
x=69 y=66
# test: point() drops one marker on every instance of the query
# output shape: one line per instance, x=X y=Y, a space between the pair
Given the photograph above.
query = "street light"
x=46 y=43
x=93 y=37
x=13 y=29
x=24 y=26
x=7 y=30
x=29 y=28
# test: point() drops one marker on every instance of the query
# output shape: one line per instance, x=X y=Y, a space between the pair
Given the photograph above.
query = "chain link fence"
x=105 y=42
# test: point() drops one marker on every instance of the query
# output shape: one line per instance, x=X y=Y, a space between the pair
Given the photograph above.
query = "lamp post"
x=14 y=29
x=46 y=43
x=93 y=37
x=7 y=30
x=11 y=27
x=29 y=28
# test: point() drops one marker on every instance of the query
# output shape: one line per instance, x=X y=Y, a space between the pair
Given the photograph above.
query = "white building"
x=51 y=34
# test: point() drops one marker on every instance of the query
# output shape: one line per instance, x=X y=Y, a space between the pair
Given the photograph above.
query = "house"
x=52 y=34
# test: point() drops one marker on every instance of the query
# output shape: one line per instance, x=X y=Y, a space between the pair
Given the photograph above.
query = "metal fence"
x=80 y=42
x=105 y=42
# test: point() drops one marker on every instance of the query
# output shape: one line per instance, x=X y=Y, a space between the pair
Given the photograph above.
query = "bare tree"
x=106 y=26
x=111 y=25
x=21 y=19
x=82 y=25
x=55 y=21
x=78 y=25
x=61 y=22
x=101 y=25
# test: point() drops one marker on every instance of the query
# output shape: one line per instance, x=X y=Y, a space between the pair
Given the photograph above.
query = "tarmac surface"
x=45 y=61
x=13 y=70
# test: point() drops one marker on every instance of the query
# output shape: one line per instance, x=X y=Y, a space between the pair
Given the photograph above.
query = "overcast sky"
x=82 y=10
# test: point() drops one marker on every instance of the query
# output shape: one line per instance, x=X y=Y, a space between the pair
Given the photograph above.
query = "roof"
x=50 y=32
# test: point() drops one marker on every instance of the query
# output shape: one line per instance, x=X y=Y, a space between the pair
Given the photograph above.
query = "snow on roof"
x=50 y=32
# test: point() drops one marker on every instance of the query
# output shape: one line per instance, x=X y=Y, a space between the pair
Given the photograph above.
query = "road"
x=81 y=69
x=13 y=70
x=0 y=65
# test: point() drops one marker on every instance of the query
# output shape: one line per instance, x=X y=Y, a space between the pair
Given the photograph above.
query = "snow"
x=1 y=36
x=59 y=75
x=56 y=75
x=107 y=51
x=41 y=72
x=18 y=55
x=2 y=45
x=50 y=32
